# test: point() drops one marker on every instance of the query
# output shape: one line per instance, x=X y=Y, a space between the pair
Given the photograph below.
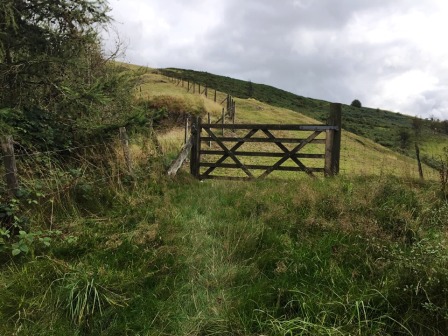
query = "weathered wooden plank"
x=260 y=167
x=195 y=155
x=276 y=140
x=183 y=155
x=264 y=154
x=328 y=153
x=289 y=154
x=336 y=121
x=286 y=150
x=233 y=149
x=229 y=153
x=230 y=178
x=275 y=127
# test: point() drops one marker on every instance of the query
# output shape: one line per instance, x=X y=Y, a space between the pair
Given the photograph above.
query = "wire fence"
x=54 y=171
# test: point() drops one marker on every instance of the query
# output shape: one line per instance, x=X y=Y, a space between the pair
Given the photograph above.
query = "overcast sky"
x=390 y=54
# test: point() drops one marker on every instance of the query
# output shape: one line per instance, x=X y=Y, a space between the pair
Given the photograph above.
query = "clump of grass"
x=177 y=108
x=82 y=295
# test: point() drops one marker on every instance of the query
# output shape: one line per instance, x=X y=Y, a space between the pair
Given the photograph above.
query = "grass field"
x=359 y=155
x=381 y=126
x=112 y=253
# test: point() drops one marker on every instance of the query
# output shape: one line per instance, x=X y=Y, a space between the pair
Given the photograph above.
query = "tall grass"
x=145 y=254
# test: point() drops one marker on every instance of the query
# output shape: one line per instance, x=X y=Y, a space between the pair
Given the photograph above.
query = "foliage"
x=228 y=258
x=356 y=103
x=404 y=138
x=56 y=88
x=176 y=109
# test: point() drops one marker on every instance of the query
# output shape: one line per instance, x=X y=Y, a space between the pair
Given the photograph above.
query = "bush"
x=356 y=103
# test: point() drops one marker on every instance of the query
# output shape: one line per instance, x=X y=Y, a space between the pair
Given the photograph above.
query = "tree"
x=52 y=71
x=41 y=43
x=250 y=89
x=417 y=125
x=404 y=137
x=356 y=103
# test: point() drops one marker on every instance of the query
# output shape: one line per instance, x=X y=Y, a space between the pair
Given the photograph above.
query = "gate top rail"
x=274 y=127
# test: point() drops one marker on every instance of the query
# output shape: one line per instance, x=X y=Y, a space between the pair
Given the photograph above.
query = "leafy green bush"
x=356 y=103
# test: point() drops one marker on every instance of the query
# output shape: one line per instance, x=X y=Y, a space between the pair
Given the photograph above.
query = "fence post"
x=215 y=96
x=209 y=121
x=9 y=160
x=222 y=121
x=333 y=141
x=194 y=87
x=417 y=153
x=125 y=144
x=186 y=130
x=199 y=88
x=233 y=118
x=196 y=147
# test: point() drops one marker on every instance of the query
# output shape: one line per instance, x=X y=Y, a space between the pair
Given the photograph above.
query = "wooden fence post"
x=233 y=118
x=222 y=121
x=215 y=97
x=195 y=147
x=9 y=160
x=209 y=121
x=333 y=141
x=186 y=130
x=417 y=153
x=125 y=144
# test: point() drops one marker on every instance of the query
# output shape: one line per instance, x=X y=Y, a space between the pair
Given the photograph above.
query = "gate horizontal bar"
x=277 y=140
x=231 y=178
x=273 y=127
x=264 y=154
x=263 y=167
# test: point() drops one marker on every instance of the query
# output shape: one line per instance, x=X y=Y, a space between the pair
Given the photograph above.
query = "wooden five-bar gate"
x=228 y=148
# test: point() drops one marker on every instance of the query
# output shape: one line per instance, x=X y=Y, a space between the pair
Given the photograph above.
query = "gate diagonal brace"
x=229 y=152
x=289 y=154
x=286 y=150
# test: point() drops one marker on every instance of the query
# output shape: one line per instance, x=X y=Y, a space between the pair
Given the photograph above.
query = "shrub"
x=356 y=103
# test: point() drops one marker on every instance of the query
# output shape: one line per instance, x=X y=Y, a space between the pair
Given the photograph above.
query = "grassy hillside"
x=380 y=126
x=359 y=155
x=106 y=252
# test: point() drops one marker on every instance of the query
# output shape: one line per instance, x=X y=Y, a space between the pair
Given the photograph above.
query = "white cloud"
x=388 y=54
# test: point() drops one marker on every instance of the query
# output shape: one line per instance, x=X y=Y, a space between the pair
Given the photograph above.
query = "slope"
x=392 y=130
x=359 y=155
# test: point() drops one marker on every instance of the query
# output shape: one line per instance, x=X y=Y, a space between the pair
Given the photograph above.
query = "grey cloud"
x=297 y=45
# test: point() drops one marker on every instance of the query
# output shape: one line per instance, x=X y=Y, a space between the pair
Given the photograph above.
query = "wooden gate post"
x=196 y=146
x=9 y=161
x=333 y=141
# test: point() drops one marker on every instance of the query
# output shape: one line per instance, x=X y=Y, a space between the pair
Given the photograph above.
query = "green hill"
x=392 y=130
x=97 y=249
